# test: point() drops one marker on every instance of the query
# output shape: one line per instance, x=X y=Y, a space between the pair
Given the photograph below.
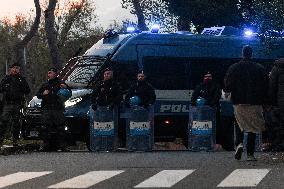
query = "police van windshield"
x=178 y=73
x=84 y=70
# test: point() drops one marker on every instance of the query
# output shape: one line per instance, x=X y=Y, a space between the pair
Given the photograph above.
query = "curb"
x=21 y=149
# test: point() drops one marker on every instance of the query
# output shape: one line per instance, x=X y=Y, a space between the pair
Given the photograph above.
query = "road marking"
x=165 y=179
x=86 y=180
x=20 y=177
x=244 y=178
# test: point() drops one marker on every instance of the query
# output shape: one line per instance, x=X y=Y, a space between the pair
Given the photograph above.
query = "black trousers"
x=250 y=140
x=10 y=118
x=277 y=130
x=54 y=136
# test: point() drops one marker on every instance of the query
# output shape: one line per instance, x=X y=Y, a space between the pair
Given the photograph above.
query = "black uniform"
x=276 y=94
x=210 y=92
x=13 y=89
x=106 y=93
x=143 y=90
x=52 y=115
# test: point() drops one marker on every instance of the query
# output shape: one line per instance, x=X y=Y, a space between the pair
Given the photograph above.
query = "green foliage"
x=81 y=35
x=154 y=11
x=267 y=15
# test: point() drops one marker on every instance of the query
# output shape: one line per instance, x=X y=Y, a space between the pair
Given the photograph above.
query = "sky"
x=107 y=10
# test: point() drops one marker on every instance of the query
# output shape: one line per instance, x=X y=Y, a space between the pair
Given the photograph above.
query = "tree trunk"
x=20 y=46
x=139 y=13
x=52 y=34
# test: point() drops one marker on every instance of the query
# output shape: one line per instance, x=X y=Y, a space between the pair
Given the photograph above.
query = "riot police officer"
x=106 y=92
x=13 y=89
x=208 y=90
x=143 y=90
x=52 y=112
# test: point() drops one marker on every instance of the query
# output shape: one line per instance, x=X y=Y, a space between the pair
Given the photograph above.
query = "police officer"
x=276 y=94
x=13 y=89
x=143 y=90
x=208 y=90
x=106 y=92
x=52 y=112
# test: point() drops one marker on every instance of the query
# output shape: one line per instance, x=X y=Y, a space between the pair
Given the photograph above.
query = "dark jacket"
x=276 y=84
x=13 y=89
x=51 y=100
x=144 y=90
x=248 y=83
x=106 y=93
x=210 y=92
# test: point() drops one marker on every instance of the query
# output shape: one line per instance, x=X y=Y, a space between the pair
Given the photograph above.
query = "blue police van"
x=174 y=64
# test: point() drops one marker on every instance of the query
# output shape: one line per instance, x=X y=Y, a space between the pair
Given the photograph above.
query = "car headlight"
x=35 y=103
x=72 y=102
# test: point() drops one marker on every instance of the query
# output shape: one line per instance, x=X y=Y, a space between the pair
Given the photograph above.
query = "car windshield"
x=84 y=70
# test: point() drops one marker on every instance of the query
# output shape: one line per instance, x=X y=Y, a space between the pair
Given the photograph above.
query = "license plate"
x=34 y=133
x=139 y=128
x=104 y=128
x=202 y=127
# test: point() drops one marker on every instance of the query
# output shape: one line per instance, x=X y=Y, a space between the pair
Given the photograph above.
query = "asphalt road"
x=179 y=169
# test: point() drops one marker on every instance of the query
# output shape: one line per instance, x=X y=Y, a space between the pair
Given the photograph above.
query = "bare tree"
x=140 y=16
x=64 y=19
x=149 y=12
x=20 y=46
x=136 y=9
x=51 y=34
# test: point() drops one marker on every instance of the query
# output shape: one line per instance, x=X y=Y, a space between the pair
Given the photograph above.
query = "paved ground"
x=180 y=169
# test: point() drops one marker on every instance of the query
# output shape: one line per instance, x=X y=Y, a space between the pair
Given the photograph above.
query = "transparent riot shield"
x=139 y=130
x=103 y=128
x=202 y=128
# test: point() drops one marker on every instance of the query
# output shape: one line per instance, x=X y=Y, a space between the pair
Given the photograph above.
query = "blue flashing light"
x=155 y=28
x=249 y=33
x=130 y=29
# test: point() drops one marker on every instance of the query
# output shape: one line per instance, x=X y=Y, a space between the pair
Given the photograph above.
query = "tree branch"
x=69 y=22
x=23 y=43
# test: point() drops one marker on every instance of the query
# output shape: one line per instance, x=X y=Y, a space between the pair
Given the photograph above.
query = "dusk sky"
x=107 y=10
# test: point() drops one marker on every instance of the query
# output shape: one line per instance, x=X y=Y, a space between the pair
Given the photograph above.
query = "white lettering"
x=165 y=108
x=176 y=108
x=185 y=109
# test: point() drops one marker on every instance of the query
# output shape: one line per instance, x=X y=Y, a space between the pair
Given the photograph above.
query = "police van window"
x=218 y=67
x=167 y=73
x=125 y=74
x=84 y=70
